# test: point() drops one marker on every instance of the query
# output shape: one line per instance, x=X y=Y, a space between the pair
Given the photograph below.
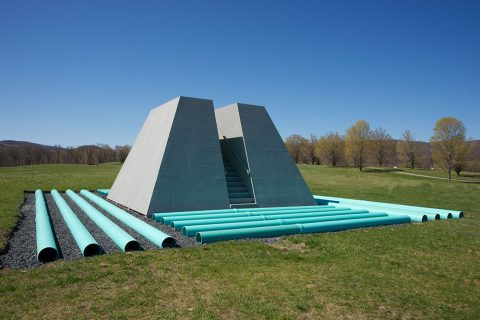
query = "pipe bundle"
x=217 y=225
x=88 y=246
x=419 y=214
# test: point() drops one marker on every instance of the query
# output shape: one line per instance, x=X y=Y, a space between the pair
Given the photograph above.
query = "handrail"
x=247 y=169
x=237 y=156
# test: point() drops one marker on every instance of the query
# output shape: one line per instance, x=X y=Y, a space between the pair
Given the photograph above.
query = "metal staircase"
x=238 y=192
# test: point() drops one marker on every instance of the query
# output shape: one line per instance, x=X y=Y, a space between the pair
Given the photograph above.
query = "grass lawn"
x=421 y=271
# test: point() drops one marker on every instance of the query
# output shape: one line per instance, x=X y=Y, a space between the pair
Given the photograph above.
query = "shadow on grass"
x=468 y=175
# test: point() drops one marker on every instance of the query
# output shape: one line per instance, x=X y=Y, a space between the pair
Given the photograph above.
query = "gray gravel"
x=21 y=250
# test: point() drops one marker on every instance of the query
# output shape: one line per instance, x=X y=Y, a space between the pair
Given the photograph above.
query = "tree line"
x=362 y=146
x=13 y=153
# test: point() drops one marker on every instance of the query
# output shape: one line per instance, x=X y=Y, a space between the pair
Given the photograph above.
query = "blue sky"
x=86 y=72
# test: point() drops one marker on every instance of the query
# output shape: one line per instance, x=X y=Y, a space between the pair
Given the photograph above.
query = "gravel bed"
x=21 y=250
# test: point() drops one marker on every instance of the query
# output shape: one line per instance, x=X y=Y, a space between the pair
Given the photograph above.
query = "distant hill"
x=15 y=153
x=17 y=144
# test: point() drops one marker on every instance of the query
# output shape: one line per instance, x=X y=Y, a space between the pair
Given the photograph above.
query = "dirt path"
x=425 y=176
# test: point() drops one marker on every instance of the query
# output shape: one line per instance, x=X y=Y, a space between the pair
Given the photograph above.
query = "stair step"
x=239 y=195
x=241 y=200
x=231 y=174
x=231 y=184
x=234 y=179
x=244 y=205
x=237 y=188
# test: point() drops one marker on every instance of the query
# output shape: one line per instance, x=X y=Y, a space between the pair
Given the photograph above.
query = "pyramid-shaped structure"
x=189 y=156
x=175 y=163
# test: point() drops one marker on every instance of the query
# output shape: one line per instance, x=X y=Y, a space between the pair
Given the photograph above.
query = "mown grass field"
x=421 y=271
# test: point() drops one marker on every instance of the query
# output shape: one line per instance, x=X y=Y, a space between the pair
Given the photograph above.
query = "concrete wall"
x=175 y=163
x=136 y=180
x=192 y=175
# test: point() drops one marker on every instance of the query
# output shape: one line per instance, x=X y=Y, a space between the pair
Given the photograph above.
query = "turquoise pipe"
x=414 y=215
x=122 y=239
x=103 y=191
x=281 y=208
x=178 y=225
x=273 y=231
x=84 y=240
x=156 y=236
x=191 y=231
x=444 y=213
x=168 y=220
x=157 y=216
x=394 y=205
x=400 y=209
x=46 y=246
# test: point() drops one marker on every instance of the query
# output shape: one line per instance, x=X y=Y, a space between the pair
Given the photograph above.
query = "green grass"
x=421 y=271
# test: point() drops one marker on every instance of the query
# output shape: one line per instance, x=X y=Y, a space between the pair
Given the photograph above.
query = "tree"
x=461 y=156
x=121 y=152
x=381 y=145
x=297 y=147
x=331 y=148
x=311 y=147
x=407 y=148
x=357 y=143
x=448 y=143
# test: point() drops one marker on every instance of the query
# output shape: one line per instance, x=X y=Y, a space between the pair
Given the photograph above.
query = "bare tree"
x=381 y=145
x=407 y=149
x=331 y=147
x=311 y=147
x=297 y=147
x=121 y=152
x=357 y=141
x=448 y=142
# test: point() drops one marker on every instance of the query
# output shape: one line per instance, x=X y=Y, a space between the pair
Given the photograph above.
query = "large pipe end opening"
x=184 y=231
x=460 y=215
x=91 y=250
x=449 y=216
x=47 y=254
x=198 y=237
x=169 y=242
x=437 y=216
x=424 y=218
x=132 y=246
